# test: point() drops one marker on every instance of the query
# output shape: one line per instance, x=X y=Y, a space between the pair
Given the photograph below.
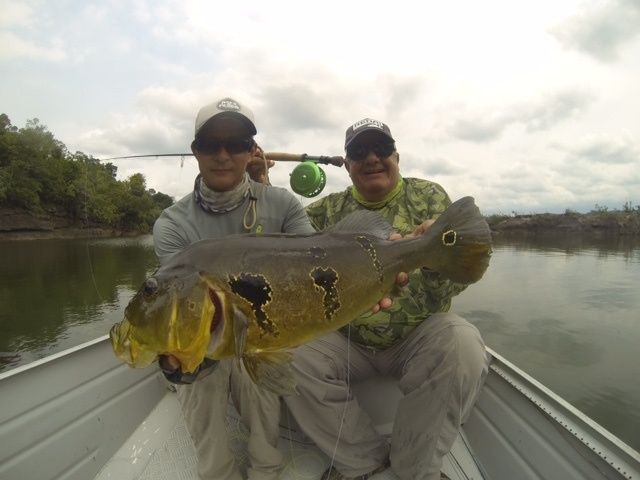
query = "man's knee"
x=316 y=361
x=472 y=354
x=463 y=339
x=447 y=343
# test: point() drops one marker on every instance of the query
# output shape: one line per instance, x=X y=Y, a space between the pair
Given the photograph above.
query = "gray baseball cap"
x=365 y=125
x=226 y=106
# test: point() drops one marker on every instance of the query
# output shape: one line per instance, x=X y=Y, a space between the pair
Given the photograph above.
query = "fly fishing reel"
x=307 y=179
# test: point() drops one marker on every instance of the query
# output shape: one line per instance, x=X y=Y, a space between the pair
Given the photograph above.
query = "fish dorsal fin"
x=364 y=221
x=272 y=371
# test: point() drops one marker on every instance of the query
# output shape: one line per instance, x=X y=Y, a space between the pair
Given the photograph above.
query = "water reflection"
x=602 y=245
x=58 y=293
x=564 y=309
x=561 y=307
x=615 y=409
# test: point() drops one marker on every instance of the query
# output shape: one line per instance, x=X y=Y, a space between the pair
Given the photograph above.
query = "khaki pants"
x=204 y=405
x=441 y=366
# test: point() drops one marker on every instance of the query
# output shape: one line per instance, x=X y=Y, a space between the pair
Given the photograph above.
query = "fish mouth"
x=140 y=346
x=127 y=348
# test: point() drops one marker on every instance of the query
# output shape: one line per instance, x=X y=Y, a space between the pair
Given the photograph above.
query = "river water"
x=565 y=309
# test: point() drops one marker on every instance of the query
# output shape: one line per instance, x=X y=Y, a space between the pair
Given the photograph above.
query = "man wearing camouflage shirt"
x=439 y=358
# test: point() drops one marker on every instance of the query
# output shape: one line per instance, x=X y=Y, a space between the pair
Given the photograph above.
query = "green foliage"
x=39 y=174
x=162 y=200
x=4 y=184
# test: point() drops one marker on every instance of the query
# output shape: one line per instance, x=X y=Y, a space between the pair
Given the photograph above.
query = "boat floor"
x=161 y=449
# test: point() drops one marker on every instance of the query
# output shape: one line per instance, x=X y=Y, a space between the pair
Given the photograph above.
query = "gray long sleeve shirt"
x=185 y=222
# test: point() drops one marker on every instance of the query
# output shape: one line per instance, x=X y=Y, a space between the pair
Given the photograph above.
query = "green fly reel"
x=307 y=179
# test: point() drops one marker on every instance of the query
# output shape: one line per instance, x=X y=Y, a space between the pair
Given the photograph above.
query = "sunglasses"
x=232 y=146
x=359 y=152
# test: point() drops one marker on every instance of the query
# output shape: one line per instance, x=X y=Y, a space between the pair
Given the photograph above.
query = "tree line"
x=39 y=174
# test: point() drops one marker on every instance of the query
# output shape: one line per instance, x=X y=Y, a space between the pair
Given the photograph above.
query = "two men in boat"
x=438 y=358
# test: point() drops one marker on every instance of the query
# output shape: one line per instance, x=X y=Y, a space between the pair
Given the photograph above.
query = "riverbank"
x=20 y=224
x=614 y=222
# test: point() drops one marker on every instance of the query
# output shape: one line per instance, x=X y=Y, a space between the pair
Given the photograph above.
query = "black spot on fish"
x=449 y=238
x=326 y=279
x=256 y=290
x=150 y=286
x=318 y=252
x=368 y=247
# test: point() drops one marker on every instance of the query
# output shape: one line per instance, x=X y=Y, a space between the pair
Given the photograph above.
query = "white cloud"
x=13 y=47
x=480 y=97
x=608 y=150
x=15 y=14
x=601 y=29
x=134 y=135
x=535 y=115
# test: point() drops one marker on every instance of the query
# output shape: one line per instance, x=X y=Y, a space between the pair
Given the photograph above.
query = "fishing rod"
x=306 y=179
x=277 y=156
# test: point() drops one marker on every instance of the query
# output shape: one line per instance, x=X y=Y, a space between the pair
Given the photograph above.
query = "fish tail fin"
x=272 y=371
x=459 y=242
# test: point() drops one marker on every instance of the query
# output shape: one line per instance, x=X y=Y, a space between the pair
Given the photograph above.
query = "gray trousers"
x=204 y=405
x=441 y=366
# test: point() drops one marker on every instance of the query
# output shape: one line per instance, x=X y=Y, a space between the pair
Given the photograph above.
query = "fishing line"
x=344 y=411
x=86 y=218
x=86 y=221
x=346 y=404
x=289 y=436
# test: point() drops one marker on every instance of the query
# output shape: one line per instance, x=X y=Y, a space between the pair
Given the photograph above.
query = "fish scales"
x=309 y=285
x=250 y=296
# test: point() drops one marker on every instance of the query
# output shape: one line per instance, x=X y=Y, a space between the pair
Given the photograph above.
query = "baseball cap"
x=365 y=125
x=225 y=106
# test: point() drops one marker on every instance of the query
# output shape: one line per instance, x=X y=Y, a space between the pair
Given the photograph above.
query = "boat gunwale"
x=584 y=429
x=50 y=358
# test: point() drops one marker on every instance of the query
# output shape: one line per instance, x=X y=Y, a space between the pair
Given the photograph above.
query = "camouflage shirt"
x=426 y=292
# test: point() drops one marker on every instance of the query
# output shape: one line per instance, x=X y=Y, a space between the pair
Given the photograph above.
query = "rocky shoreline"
x=20 y=224
x=614 y=222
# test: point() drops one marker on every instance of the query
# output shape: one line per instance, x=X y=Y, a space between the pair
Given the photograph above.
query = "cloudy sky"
x=527 y=106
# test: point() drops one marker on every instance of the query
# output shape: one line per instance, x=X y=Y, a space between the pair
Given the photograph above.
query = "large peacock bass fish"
x=254 y=297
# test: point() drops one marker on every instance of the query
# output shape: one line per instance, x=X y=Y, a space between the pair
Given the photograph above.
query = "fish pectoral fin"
x=240 y=324
x=271 y=371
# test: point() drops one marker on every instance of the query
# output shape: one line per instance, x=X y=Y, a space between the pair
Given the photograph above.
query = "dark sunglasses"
x=232 y=146
x=359 y=152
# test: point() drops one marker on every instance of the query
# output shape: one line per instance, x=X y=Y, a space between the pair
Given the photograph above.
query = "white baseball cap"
x=226 y=106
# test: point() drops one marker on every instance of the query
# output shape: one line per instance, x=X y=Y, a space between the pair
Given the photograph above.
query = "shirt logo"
x=228 y=104
x=368 y=122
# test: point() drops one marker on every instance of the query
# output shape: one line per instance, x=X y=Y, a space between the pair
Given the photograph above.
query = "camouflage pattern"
x=427 y=293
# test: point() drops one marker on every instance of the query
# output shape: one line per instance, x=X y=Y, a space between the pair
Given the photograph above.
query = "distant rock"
x=617 y=222
x=16 y=219
x=20 y=224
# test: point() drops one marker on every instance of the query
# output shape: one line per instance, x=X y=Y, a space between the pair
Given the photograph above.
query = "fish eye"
x=150 y=286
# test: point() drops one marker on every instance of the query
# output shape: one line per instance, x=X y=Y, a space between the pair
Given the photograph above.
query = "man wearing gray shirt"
x=225 y=201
